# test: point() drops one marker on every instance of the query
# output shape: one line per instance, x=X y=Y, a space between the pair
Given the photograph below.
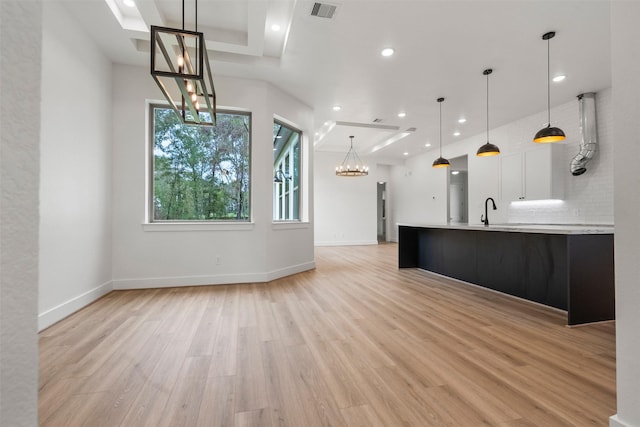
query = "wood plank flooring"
x=357 y=342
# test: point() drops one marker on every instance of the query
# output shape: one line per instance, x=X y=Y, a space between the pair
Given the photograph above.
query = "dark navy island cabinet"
x=571 y=271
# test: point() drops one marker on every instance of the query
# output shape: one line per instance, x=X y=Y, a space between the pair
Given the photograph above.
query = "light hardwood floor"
x=357 y=342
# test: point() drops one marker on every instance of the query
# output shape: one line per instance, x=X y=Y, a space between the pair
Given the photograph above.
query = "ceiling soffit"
x=232 y=29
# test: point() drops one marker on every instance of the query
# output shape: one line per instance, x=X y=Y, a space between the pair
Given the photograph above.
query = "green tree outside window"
x=201 y=173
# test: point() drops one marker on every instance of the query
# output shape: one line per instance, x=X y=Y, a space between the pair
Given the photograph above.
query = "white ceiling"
x=441 y=49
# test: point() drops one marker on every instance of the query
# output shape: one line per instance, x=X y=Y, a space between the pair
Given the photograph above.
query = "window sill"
x=197 y=226
x=289 y=225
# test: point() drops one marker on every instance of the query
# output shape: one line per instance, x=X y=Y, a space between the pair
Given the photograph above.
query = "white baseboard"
x=221 y=279
x=288 y=271
x=69 y=307
x=353 y=243
x=178 y=281
x=614 y=421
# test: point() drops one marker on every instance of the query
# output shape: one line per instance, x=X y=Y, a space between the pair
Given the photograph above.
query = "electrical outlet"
x=576 y=212
x=218 y=260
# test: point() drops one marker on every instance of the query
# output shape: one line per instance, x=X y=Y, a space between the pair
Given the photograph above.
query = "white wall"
x=345 y=207
x=625 y=42
x=289 y=246
x=171 y=255
x=20 y=62
x=75 y=169
x=421 y=191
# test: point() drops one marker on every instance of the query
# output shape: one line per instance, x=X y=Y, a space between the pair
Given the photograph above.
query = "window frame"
x=152 y=224
x=278 y=199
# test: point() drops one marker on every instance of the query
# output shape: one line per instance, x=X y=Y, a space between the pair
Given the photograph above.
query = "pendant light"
x=181 y=69
x=549 y=134
x=488 y=149
x=441 y=162
x=352 y=165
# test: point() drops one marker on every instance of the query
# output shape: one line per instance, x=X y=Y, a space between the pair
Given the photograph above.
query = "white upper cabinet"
x=512 y=177
x=534 y=174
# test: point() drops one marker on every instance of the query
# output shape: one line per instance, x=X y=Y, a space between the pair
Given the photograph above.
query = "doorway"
x=382 y=212
x=458 y=194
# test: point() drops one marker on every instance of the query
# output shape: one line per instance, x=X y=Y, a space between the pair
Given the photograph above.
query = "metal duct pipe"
x=588 y=131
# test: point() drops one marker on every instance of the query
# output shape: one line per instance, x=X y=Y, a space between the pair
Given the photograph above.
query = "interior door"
x=457 y=201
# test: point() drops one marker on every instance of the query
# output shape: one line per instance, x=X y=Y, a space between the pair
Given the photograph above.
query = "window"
x=200 y=173
x=286 y=172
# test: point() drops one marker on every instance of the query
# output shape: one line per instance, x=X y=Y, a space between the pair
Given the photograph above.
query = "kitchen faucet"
x=485 y=218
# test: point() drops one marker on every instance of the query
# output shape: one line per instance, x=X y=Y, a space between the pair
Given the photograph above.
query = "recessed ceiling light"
x=462 y=120
x=387 y=51
x=326 y=123
x=337 y=108
x=403 y=114
x=456 y=133
x=559 y=78
x=405 y=154
x=275 y=27
x=427 y=145
x=317 y=133
x=129 y=3
x=455 y=172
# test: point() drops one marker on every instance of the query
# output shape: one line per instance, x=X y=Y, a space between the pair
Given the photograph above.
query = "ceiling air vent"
x=323 y=10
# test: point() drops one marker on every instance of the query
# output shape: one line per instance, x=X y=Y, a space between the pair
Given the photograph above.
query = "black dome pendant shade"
x=488 y=149
x=549 y=133
x=441 y=162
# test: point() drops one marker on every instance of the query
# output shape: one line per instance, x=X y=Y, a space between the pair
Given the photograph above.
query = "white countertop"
x=526 y=228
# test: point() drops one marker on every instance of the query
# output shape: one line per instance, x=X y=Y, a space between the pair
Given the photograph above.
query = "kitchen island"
x=569 y=267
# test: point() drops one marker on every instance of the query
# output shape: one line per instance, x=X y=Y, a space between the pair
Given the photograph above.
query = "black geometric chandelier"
x=180 y=67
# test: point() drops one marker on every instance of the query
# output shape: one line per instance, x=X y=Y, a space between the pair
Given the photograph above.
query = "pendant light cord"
x=549 y=80
x=182 y=15
x=196 y=16
x=488 y=107
x=440 y=129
